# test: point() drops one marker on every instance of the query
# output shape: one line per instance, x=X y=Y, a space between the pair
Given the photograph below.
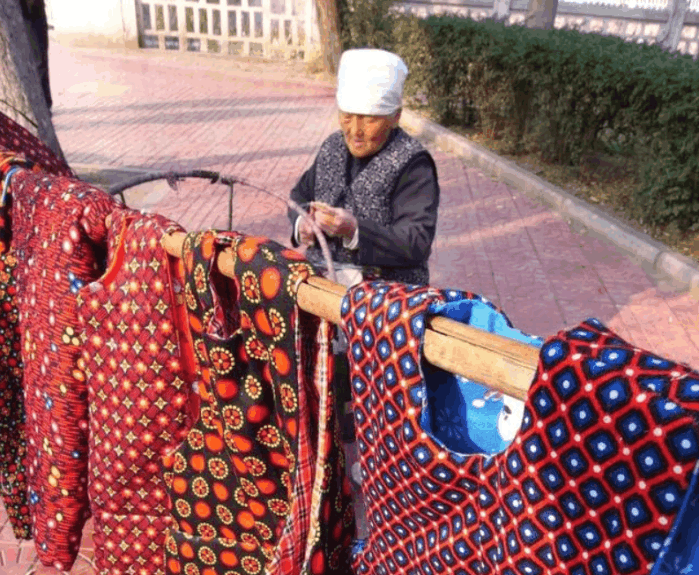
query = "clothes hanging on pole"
x=14 y=138
x=59 y=238
x=258 y=486
x=139 y=367
x=593 y=482
x=16 y=145
x=680 y=554
x=13 y=446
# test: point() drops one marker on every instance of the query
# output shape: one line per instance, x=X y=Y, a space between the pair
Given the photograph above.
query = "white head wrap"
x=370 y=82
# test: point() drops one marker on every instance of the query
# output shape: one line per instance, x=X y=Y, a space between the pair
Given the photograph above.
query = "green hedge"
x=563 y=92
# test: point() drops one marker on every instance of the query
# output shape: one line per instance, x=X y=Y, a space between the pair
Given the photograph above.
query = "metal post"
x=230 y=207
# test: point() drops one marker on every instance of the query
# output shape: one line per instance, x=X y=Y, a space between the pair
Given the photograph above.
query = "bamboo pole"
x=500 y=363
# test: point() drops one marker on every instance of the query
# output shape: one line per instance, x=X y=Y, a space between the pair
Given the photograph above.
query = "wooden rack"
x=500 y=363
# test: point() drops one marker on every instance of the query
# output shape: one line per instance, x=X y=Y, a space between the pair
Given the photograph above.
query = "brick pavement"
x=265 y=122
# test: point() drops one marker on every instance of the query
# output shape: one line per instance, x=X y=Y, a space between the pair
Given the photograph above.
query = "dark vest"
x=367 y=197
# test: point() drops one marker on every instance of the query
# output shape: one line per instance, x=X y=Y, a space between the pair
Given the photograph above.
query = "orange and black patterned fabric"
x=258 y=486
x=59 y=239
x=139 y=366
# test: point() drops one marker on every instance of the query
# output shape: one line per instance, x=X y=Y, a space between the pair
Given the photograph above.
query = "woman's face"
x=366 y=135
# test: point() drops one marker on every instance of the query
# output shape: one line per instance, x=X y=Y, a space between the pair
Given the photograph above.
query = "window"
x=287 y=32
x=245 y=24
x=149 y=41
x=145 y=13
x=235 y=48
x=172 y=16
x=159 y=17
x=232 y=24
x=301 y=31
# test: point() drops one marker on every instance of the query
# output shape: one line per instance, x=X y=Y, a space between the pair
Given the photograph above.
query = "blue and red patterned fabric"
x=680 y=552
x=139 y=367
x=258 y=486
x=591 y=484
x=59 y=239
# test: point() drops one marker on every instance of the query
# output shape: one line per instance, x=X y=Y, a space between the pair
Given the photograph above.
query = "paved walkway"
x=265 y=123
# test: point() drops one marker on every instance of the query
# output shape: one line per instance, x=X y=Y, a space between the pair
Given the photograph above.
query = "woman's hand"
x=306 y=235
x=336 y=222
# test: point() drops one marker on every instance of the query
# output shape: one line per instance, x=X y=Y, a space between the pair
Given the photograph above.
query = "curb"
x=658 y=256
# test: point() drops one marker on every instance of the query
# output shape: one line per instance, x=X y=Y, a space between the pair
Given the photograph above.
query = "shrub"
x=366 y=23
x=569 y=93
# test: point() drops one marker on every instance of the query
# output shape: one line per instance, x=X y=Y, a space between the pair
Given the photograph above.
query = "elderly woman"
x=372 y=189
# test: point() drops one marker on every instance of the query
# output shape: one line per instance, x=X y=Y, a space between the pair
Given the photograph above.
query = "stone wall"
x=106 y=23
x=633 y=24
x=121 y=22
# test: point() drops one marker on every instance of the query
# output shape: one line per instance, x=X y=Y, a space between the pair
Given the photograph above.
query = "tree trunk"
x=329 y=28
x=669 y=36
x=541 y=14
x=22 y=96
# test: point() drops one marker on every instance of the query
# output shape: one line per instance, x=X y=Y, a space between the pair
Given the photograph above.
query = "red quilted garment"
x=258 y=486
x=17 y=146
x=13 y=446
x=15 y=138
x=59 y=238
x=591 y=484
x=139 y=365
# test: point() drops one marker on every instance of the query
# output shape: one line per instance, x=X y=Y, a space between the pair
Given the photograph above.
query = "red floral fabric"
x=258 y=485
x=139 y=367
x=591 y=484
x=14 y=138
x=59 y=239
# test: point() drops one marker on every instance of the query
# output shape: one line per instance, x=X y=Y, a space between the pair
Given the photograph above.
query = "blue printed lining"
x=465 y=416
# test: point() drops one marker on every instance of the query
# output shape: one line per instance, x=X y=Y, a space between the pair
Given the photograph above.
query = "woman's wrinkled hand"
x=335 y=222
